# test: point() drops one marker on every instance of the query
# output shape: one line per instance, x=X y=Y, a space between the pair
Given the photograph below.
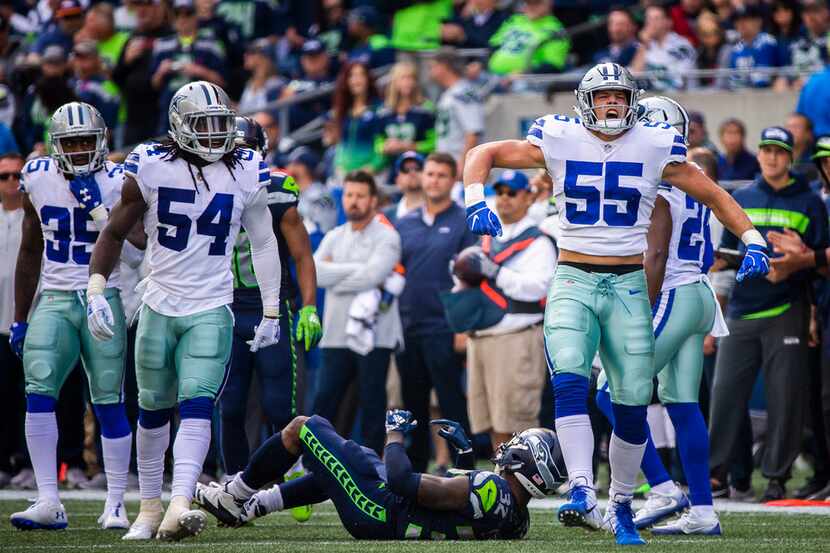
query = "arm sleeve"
x=386 y=254
x=264 y=249
x=530 y=280
x=399 y=475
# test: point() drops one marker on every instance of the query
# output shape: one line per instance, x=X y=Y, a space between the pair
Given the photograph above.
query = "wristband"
x=820 y=256
x=270 y=312
x=95 y=286
x=473 y=194
x=752 y=236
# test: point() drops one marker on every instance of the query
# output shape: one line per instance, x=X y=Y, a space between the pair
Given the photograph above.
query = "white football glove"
x=99 y=317
x=266 y=333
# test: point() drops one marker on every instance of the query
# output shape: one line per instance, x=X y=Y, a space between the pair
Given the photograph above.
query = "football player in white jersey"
x=606 y=168
x=193 y=191
x=684 y=312
x=66 y=202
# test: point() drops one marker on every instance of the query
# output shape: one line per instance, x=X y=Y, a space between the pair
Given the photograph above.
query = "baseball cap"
x=411 y=155
x=813 y=5
x=260 y=46
x=54 y=54
x=69 y=8
x=85 y=48
x=747 y=10
x=777 y=136
x=697 y=117
x=822 y=147
x=515 y=180
x=366 y=15
x=183 y=5
x=304 y=156
x=312 y=47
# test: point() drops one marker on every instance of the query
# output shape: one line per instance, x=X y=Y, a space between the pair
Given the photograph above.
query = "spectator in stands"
x=316 y=204
x=331 y=27
x=803 y=143
x=809 y=51
x=264 y=86
x=354 y=125
x=69 y=18
x=725 y=10
x=460 y=115
x=786 y=27
x=134 y=69
x=409 y=169
x=812 y=102
x=755 y=50
x=9 y=44
x=430 y=237
x=418 y=27
x=315 y=73
x=768 y=321
x=189 y=55
x=11 y=377
x=92 y=85
x=230 y=38
x=99 y=26
x=353 y=263
x=713 y=52
x=518 y=267
x=735 y=163
x=42 y=98
x=684 y=16
x=622 y=38
x=698 y=135
x=474 y=24
x=661 y=49
x=528 y=42
x=253 y=18
x=407 y=119
x=368 y=45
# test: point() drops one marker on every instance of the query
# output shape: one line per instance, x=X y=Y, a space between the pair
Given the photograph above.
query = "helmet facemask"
x=626 y=116
x=79 y=152
x=209 y=134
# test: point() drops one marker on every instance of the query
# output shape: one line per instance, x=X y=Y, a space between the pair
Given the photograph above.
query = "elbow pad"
x=399 y=475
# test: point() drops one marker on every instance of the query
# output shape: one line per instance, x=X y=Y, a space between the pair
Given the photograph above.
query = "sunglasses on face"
x=7 y=176
x=410 y=169
x=510 y=193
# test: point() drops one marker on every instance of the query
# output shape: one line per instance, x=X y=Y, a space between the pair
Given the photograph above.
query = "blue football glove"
x=480 y=220
x=399 y=420
x=454 y=434
x=755 y=263
x=86 y=191
x=17 y=335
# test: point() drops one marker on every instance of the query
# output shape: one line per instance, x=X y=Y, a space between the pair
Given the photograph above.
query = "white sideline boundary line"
x=722 y=506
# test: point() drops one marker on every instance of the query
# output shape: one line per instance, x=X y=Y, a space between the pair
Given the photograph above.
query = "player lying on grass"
x=385 y=499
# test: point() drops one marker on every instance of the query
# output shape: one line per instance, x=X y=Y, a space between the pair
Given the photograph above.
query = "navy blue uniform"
x=275 y=366
x=416 y=125
x=354 y=479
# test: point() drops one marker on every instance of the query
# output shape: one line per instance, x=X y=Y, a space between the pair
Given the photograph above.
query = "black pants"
x=778 y=346
x=340 y=367
x=430 y=362
x=12 y=408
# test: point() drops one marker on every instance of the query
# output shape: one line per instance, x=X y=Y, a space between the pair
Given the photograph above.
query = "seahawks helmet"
x=249 y=134
x=607 y=76
x=660 y=109
x=201 y=121
x=70 y=125
x=535 y=458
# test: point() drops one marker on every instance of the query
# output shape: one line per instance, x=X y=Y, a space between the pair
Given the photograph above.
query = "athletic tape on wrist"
x=752 y=236
x=473 y=194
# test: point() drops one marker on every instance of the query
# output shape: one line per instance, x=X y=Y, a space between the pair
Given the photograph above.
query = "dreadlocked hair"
x=172 y=151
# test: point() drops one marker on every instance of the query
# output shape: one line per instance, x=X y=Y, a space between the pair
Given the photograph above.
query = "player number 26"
x=624 y=204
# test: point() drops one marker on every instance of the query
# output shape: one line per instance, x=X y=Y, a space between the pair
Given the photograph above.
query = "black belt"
x=524 y=307
x=613 y=269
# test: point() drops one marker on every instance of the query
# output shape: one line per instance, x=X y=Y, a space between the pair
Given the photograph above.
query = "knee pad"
x=39 y=403
x=154 y=419
x=570 y=392
x=112 y=418
x=196 y=408
x=631 y=425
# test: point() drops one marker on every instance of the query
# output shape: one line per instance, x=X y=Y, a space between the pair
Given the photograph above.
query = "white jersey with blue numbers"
x=68 y=231
x=605 y=190
x=691 y=240
x=192 y=226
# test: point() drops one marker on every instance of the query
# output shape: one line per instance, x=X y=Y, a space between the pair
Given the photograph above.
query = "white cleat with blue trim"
x=660 y=506
x=41 y=515
x=690 y=523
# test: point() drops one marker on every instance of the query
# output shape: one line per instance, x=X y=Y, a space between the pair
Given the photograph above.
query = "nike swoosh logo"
x=633 y=292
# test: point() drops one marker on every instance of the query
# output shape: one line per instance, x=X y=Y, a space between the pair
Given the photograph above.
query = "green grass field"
x=753 y=533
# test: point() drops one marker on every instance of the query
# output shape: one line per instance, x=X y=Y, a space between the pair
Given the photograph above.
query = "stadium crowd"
x=379 y=196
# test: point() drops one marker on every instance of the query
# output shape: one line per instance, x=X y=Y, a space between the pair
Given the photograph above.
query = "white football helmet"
x=77 y=120
x=660 y=109
x=607 y=76
x=201 y=120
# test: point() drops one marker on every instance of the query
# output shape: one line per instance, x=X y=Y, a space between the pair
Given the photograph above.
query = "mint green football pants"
x=589 y=311
x=683 y=316
x=179 y=358
x=58 y=336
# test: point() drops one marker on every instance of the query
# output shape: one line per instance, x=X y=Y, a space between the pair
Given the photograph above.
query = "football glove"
x=481 y=220
x=17 y=335
x=309 y=329
x=755 y=263
x=454 y=434
x=266 y=333
x=86 y=191
x=99 y=318
x=400 y=420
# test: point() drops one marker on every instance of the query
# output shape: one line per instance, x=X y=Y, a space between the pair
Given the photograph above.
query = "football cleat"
x=114 y=517
x=659 y=506
x=218 y=501
x=147 y=522
x=41 y=515
x=581 y=510
x=255 y=508
x=180 y=521
x=690 y=524
x=620 y=521
x=303 y=512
